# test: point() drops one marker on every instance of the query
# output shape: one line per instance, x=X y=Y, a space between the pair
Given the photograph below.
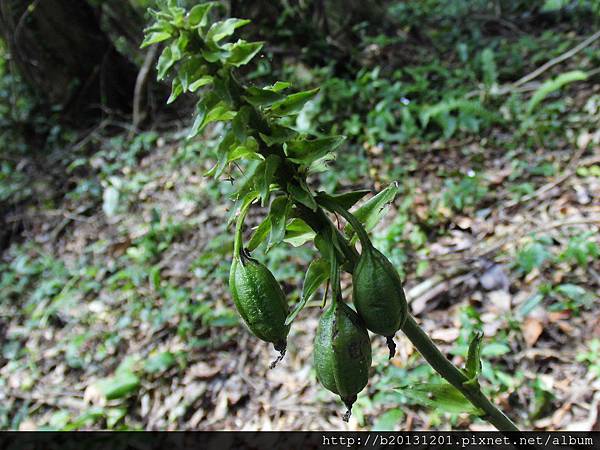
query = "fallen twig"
x=139 y=97
x=517 y=86
x=554 y=61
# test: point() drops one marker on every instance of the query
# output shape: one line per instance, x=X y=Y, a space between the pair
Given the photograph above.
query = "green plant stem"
x=319 y=222
x=353 y=221
x=334 y=280
x=238 y=242
x=454 y=376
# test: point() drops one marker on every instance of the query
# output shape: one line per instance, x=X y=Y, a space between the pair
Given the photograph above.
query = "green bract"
x=342 y=353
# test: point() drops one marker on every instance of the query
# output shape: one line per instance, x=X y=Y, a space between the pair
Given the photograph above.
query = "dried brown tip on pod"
x=348 y=402
x=391 y=346
x=280 y=347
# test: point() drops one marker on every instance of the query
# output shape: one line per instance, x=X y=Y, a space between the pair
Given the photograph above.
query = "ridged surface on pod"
x=259 y=300
x=378 y=294
x=342 y=352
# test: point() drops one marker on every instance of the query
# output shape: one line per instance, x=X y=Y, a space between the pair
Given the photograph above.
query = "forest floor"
x=96 y=307
x=115 y=311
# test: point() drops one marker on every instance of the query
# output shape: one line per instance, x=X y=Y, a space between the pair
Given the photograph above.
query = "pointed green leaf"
x=495 y=349
x=190 y=70
x=260 y=234
x=159 y=362
x=207 y=114
x=266 y=176
x=389 y=420
x=280 y=86
x=114 y=415
x=324 y=245
x=316 y=275
x=202 y=81
x=240 y=204
x=179 y=47
x=306 y=152
x=262 y=97
x=441 y=396
x=278 y=135
x=293 y=103
x=242 y=52
x=176 y=90
x=207 y=103
x=199 y=120
x=215 y=55
x=239 y=125
x=221 y=112
x=118 y=386
x=85 y=419
x=220 y=30
x=302 y=194
x=155 y=37
x=473 y=365
x=348 y=199
x=248 y=182
x=222 y=156
x=553 y=85
x=198 y=15
x=278 y=215
x=298 y=233
x=165 y=62
x=371 y=213
x=248 y=150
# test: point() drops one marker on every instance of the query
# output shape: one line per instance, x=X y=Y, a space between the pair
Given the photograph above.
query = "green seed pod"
x=258 y=297
x=259 y=300
x=342 y=353
x=378 y=294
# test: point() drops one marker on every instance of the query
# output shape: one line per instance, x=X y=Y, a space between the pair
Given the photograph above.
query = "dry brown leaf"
x=532 y=329
x=220 y=411
x=463 y=222
x=535 y=273
x=501 y=300
x=202 y=370
x=556 y=316
x=445 y=334
x=565 y=327
x=482 y=427
x=27 y=425
x=562 y=416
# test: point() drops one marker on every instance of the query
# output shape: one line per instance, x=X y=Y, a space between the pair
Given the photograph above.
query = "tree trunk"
x=60 y=49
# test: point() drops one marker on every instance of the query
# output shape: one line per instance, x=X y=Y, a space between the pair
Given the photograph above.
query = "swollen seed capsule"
x=260 y=301
x=342 y=353
x=378 y=295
